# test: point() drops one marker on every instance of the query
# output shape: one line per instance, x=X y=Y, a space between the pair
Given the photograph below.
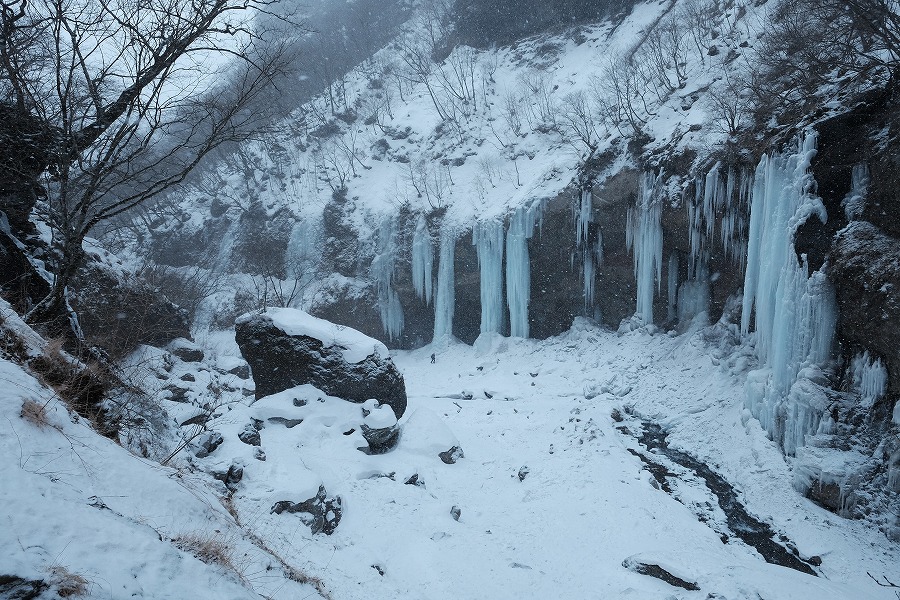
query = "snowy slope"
x=90 y=519
x=395 y=141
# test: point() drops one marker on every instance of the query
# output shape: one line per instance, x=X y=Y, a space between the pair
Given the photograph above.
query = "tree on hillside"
x=107 y=103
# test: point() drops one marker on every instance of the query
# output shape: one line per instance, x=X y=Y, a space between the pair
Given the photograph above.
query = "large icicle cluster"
x=870 y=378
x=644 y=236
x=591 y=249
x=445 y=299
x=422 y=261
x=795 y=313
x=382 y=272
x=487 y=237
x=518 y=267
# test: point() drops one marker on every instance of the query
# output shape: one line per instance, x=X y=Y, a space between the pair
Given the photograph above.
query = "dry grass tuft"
x=67 y=583
x=35 y=413
x=211 y=548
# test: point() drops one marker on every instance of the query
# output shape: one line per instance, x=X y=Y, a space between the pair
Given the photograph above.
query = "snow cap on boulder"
x=287 y=347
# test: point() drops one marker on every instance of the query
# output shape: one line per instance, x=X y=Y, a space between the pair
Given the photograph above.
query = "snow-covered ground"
x=550 y=499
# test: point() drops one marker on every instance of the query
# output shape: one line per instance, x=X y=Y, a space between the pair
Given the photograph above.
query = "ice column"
x=445 y=299
x=487 y=237
x=644 y=236
x=795 y=313
x=382 y=271
x=518 y=268
x=591 y=249
x=422 y=260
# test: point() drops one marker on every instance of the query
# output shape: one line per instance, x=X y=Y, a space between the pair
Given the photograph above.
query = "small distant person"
x=432 y=358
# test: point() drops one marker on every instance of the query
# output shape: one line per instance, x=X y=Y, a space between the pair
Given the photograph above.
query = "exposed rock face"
x=119 y=313
x=280 y=360
x=866 y=273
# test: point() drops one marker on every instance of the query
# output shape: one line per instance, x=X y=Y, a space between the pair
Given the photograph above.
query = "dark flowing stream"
x=742 y=524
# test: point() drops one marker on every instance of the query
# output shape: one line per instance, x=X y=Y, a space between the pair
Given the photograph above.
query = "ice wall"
x=445 y=299
x=488 y=238
x=644 y=236
x=382 y=271
x=422 y=261
x=518 y=267
x=795 y=312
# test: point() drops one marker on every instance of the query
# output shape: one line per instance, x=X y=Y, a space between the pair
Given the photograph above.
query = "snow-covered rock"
x=288 y=347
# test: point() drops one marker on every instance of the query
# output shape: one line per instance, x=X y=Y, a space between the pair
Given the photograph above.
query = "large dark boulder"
x=867 y=281
x=287 y=347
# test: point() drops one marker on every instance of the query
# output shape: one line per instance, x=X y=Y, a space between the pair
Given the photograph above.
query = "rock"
x=455 y=512
x=867 y=285
x=14 y=587
x=379 y=427
x=320 y=513
x=451 y=456
x=414 y=480
x=231 y=477
x=240 y=371
x=186 y=350
x=523 y=472
x=287 y=348
x=188 y=377
x=288 y=423
x=645 y=567
x=208 y=444
x=260 y=455
x=178 y=394
x=119 y=312
x=250 y=435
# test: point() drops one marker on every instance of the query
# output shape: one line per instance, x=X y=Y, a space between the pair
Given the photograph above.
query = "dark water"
x=773 y=547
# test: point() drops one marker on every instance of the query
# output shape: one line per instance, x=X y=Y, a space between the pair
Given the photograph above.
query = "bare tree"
x=125 y=92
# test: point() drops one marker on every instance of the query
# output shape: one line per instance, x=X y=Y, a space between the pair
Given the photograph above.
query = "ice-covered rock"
x=288 y=347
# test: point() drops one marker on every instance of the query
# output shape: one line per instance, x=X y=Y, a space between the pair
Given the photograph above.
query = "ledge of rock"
x=288 y=347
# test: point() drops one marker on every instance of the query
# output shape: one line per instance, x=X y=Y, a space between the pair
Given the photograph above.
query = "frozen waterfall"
x=518 y=267
x=644 y=236
x=795 y=313
x=445 y=299
x=487 y=237
x=422 y=261
x=382 y=271
x=591 y=249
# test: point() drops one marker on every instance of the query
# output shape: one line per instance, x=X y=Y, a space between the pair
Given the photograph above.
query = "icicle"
x=644 y=235
x=422 y=261
x=445 y=299
x=518 y=267
x=855 y=202
x=487 y=237
x=591 y=250
x=869 y=378
x=796 y=313
x=673 y=286
x=382 y=270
